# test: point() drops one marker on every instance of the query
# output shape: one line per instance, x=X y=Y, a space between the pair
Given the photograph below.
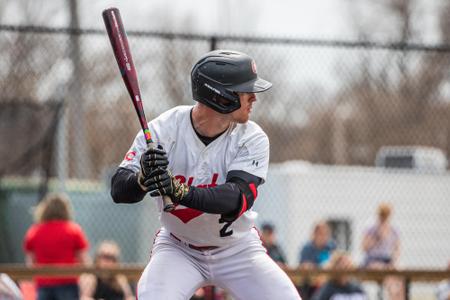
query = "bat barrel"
x=122 y=52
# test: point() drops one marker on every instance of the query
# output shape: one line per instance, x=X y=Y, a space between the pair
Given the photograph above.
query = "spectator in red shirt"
x=55 y=240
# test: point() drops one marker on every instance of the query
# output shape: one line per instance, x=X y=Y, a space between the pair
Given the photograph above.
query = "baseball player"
x=210 y=161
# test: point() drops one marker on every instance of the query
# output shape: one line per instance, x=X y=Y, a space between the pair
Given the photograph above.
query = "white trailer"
x=297 y=194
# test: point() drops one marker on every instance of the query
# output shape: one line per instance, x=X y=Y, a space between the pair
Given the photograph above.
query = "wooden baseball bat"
x=119 y=43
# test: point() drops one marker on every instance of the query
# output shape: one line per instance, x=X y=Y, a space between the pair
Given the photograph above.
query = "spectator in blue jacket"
x=317 y=252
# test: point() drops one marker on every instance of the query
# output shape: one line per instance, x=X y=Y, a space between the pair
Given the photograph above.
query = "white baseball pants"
x=243 y=269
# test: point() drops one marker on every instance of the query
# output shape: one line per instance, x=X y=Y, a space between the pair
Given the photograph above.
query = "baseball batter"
x=210 y=161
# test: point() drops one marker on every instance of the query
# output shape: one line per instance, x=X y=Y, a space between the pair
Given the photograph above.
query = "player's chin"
x=243 y=119
x=240 y=116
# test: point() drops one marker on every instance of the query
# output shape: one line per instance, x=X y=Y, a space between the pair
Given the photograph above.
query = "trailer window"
x=399 y=162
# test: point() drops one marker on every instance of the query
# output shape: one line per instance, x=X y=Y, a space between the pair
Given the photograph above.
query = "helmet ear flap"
x=227 y=103
x=213 y=94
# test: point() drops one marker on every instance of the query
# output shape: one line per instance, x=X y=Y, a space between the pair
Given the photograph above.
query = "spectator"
x=210 y=292
x=268 y=239
x=317 y=251
x=443 y=290
x=315 y=254
x=55 y=240
x=104 y=286
x=381 y=242
x=342 y=286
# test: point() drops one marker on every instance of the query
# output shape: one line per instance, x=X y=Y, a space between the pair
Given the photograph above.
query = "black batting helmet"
x=219 y=75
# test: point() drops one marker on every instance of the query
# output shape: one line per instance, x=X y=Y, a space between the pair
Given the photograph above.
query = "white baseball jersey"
x=242 y=147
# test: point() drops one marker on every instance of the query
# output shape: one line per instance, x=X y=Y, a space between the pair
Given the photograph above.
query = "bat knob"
x=169 y=207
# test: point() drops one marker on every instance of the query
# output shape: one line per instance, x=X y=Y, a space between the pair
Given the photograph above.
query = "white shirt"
x=242 y=147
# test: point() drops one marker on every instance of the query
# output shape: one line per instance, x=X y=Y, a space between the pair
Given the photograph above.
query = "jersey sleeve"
x=253 y=156
x=81 y=242
x=28 y=241
x=132 y=157
x=161 y=129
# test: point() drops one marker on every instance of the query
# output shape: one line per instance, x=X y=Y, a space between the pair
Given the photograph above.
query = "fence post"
x=407 y=287
x=213 y=43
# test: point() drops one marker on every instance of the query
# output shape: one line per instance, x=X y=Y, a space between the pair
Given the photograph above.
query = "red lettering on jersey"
x=130 y=155
x=214 y=180
x=208 y=185
x=187 y=214
x=180 y=178
x=213 y=183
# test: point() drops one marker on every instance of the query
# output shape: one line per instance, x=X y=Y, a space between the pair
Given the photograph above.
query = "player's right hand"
x=153 y=159
x=160 y=182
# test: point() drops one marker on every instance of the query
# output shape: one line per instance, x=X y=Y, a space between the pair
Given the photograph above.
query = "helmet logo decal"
x=212 y=88
x=253 y=66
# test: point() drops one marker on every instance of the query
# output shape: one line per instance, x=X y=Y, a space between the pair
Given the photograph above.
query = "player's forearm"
x=221 y=199
x=29 y=259
x=125 y=188
x=230 y=199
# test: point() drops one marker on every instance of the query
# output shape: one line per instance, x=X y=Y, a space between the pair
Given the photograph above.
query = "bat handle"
x=168 y=204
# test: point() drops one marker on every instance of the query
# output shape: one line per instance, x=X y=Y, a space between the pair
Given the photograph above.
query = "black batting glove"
x=160 y=182
x=152 y=159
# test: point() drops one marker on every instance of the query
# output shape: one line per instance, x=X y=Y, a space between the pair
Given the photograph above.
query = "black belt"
x=198 y=248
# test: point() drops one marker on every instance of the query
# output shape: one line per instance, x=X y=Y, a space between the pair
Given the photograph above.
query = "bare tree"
x=397 y=97
x=28 y=110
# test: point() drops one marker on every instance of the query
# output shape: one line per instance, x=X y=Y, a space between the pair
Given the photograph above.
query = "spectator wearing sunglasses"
x=105 y=286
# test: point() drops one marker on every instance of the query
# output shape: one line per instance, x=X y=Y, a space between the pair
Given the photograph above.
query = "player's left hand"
x=160 y=182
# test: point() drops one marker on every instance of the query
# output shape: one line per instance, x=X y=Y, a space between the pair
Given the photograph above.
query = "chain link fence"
x=66 y=122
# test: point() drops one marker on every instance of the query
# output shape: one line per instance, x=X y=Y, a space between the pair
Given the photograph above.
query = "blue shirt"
x=318 y=256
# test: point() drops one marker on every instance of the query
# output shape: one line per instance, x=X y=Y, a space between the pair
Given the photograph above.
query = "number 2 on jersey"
x=223 y=231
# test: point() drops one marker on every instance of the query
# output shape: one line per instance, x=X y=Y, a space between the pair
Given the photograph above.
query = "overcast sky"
x=268 y=17
x=322 y=19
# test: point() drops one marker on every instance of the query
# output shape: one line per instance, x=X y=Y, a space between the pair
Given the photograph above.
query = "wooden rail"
x=133 y=272
x=21 y=272
x=418 y=275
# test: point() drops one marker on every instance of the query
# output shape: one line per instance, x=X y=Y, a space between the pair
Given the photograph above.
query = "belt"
x=198 y=248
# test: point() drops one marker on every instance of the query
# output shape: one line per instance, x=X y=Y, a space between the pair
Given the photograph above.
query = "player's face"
x=243 y=113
